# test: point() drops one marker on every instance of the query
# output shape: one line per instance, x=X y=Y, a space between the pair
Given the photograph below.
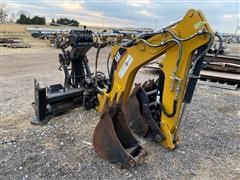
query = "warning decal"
x=125 y=66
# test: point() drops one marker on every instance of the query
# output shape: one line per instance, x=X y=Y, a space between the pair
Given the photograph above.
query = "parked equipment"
x=153 y=109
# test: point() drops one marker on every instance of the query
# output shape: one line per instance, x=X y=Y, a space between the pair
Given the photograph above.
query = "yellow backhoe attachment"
x=154 y=108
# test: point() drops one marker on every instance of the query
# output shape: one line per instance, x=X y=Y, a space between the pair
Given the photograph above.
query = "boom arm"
x=178 y=43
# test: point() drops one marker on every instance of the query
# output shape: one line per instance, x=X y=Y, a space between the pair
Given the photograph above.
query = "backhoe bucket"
x=113 y=139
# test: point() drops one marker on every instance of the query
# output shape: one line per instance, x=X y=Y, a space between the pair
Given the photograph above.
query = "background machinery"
x=153 y=109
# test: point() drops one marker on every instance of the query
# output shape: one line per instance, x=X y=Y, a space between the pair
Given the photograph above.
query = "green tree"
x=38 y=20
x=66 y=21
x=23 y=19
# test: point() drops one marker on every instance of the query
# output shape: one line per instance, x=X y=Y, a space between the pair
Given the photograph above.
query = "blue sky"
x=222 y=15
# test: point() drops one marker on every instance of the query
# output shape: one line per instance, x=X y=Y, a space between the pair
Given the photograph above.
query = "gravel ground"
x=62 y=149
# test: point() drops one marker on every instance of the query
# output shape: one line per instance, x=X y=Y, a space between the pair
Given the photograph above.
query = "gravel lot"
x=210 y=136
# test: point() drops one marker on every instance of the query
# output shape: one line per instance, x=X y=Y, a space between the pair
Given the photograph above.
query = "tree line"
x=65 y=21
x=23 y=19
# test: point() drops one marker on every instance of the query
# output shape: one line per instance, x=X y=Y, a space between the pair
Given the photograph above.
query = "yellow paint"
x=142 y=54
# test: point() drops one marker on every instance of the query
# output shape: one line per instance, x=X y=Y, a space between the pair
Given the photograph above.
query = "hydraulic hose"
x=108 y=64
x=195 y=70
x=210 y=42
x=218 y=51
x=178 y=40
x=172 y=114
x=96 y=64
x=183 y=39
x=164 y=43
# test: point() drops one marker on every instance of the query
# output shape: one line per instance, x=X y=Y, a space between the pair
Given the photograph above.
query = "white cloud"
x=74 y=7
x=142 y=7
x=17 y=6
x=85 y=16
x=70 y=6
x=231 y=17
x=139 y=3
x=85 y=19
x=146 y=13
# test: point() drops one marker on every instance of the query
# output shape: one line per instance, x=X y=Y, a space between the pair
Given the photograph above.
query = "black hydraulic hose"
x=193 y=80
x=172 y=114
x=195 y=71
x=190 y=37
x=96 y=64
x=218 y=51
x=159 y=96
x=202 y=54
x=192 y=84
x=88 y=72
x=177 y=41
x=108 y=64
